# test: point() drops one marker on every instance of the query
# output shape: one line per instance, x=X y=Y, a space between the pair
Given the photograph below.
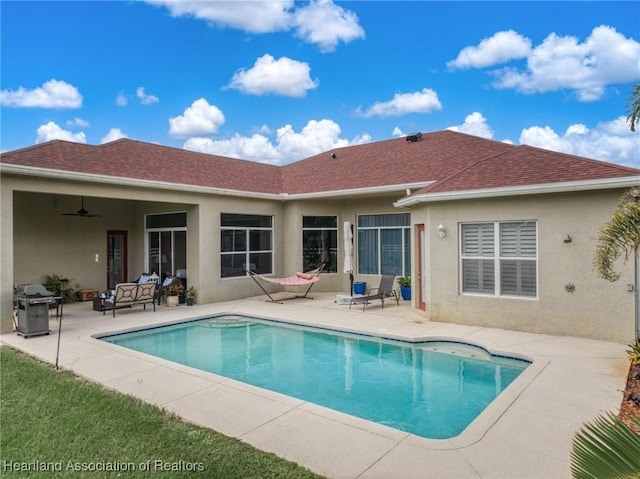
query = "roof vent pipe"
x=413 y=137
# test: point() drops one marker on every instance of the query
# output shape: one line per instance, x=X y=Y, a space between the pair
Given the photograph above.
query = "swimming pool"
x=432 y=389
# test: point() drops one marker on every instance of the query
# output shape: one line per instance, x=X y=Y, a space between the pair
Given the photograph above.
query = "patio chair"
x=297 y=280
x=385 y=290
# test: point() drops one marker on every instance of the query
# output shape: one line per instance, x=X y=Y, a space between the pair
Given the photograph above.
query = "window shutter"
x=518 y=239
x=518 y=277
x=478 y=276
x=478 y=240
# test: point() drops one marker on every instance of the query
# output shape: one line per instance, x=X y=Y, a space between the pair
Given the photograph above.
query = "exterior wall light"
x=441 y=231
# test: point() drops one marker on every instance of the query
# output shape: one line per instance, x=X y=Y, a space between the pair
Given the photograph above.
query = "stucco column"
x=6 y=260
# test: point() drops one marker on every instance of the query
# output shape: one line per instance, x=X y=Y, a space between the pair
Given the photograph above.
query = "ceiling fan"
x=82 y=212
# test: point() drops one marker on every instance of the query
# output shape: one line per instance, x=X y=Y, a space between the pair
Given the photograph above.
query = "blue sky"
x=280 y=81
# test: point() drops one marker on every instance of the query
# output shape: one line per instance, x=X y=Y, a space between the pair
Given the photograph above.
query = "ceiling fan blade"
x=81 y=212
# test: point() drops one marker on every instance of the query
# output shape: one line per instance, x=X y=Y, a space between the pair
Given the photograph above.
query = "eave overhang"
x=50 y=173
x=536 y=189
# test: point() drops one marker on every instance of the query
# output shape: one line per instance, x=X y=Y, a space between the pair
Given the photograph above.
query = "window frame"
x=170 y=222
x=247 y=230
x=405 y=230
x=498 y=259
x=320 y=229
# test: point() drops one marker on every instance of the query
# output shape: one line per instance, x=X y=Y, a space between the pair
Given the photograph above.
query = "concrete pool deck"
x=525 y=433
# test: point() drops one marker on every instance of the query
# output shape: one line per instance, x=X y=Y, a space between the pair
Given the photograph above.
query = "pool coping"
x=471 y=434
x=530 y=423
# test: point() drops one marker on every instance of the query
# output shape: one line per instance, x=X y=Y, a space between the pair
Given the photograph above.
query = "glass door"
x=116 y=258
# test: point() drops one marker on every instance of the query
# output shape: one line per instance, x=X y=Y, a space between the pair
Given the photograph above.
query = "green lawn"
x=54 y=420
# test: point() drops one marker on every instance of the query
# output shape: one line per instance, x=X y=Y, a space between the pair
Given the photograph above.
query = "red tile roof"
x=453 y=161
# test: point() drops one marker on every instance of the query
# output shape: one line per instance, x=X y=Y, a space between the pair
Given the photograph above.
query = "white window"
x=499 y=259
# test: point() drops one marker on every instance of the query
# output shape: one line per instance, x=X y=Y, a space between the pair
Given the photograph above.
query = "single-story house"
x=491 y=233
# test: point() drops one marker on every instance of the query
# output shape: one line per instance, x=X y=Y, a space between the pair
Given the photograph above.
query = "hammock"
x=297 y=280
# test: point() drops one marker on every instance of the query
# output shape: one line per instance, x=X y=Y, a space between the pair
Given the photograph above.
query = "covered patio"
x=525 y=432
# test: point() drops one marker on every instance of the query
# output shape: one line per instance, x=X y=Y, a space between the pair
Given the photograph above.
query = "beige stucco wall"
x=596 y=308
x=36 y=240
x=39 y=240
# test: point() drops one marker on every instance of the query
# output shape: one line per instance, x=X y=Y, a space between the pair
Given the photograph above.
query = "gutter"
x=537 y=189
x=138 y=183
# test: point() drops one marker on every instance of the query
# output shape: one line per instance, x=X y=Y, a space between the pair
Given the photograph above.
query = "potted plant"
x=191 y=295
x=60 y=287
x=405 y=287
x=172 y=293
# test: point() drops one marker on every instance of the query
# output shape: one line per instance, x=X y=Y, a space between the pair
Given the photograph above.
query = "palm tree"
x=634 y=108
x=620 y=236
x=608 y=447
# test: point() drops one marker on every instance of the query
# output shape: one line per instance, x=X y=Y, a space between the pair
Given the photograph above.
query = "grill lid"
x=34 y=290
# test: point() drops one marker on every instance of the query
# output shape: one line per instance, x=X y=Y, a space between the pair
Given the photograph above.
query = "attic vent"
x=413 y=137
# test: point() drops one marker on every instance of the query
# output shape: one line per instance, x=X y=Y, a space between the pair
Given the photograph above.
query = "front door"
x=116 y=258
x=421 y=284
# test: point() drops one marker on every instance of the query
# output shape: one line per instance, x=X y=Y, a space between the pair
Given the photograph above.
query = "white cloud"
x=113 y=135
x=51 y=131
x=200 y=119
x=474 y=124
x=250 y=16
x=255 y=148
x=320 y=22
x=52 y=94
x=314 y=138
x=361 y=139
x=397 y=132
x=270 y=76
x=424 y=101
x=121 y=99
x=499 y=48
x=609 y=141
x=605 y=57
x=325 y=24
x=145 y=98
x=78 y=122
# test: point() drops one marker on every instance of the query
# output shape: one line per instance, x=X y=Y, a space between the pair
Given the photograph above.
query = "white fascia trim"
x=357 y=191
x=543 y=188
x=121 y=181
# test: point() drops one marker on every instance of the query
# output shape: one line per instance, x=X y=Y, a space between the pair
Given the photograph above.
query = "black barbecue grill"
x=34 y=302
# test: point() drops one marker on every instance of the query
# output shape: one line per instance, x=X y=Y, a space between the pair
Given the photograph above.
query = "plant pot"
x=182 y=299
x=405 y=292
x=172 y=301
x=359 y=288
x=190 y=301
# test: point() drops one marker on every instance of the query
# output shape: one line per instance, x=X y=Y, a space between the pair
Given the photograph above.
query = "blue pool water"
x=430 y=389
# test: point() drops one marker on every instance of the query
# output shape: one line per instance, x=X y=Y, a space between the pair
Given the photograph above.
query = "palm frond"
x=633 y=105
x=620 y=236
x=606 y=448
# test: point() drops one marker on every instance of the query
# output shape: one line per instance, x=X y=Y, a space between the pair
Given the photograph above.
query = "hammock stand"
x=299 y=279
